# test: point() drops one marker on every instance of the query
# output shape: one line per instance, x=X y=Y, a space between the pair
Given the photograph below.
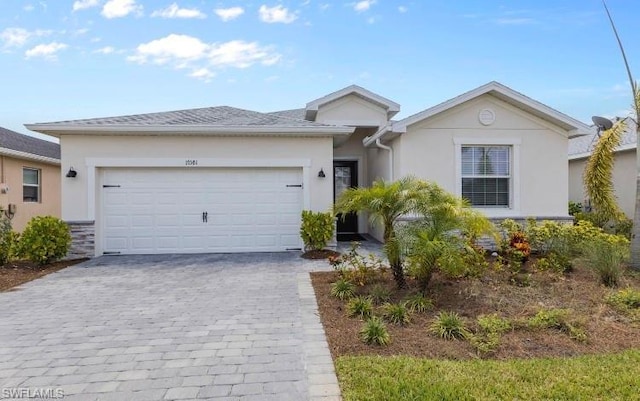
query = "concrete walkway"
x=170 y=327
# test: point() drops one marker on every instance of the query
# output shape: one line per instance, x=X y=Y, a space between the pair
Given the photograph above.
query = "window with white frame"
x=30 y=185
x=486 y=175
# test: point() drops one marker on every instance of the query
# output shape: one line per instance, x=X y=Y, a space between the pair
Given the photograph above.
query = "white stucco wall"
x=624 y=176
x=539 y=168
x=79 y=150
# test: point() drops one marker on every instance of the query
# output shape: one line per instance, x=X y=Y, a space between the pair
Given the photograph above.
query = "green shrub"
x=626 y=301
x=548 y=319
x=8 y=239
x=554 y=262
x=448 y=325
x=316 y=229
x=419 y=303
x=374 y=332
x=574 y=208
x=379 y=294
x=605 y=255
x=360 y=307
x=396 y=313
x=343 y=289
x=484 y=343
x=494 y=324
x=45 y=239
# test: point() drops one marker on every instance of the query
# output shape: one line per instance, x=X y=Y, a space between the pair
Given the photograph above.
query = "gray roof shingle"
x=220 y=116
x=583 y=145
x=298 y=114
x=24 y=143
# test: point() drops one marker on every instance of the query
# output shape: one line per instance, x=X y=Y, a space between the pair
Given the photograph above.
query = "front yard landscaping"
x=15 y=273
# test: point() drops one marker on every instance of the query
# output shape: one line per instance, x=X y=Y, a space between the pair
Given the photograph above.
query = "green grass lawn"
x=601 y=377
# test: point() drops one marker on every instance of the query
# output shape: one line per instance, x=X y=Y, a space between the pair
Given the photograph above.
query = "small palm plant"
x=374 y=332
x=343 y=289
x=419 y=303
x=360 y=307
x=449 y=325
x=397 y=314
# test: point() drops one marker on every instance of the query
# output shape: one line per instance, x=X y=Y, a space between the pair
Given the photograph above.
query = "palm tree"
x=635 y=93
x=386 y=202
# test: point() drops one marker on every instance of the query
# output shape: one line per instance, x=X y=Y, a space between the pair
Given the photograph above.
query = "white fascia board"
x=71 y=129
x=370 y=140
x=584 y=155
x=28 y=156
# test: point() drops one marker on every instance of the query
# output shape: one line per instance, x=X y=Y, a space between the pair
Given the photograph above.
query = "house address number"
x=190 y=162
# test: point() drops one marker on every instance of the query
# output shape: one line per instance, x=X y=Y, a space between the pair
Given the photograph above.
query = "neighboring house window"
x=486 y=175
x=30 y=185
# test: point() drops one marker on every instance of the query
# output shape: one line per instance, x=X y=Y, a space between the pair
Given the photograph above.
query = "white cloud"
x=105 y=50
x=84 y=4
x=47 y=51
x=276 y=14
x=228 y=14
x=363 y=5
x=173 y=11
x=120 y=8
x=183 y=51
x=18 y=37
x=204 y=74
x=402 y=9
x=28 y=8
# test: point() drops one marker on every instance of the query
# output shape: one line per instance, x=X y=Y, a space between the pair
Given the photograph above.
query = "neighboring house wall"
x=430 y=149
x=624 y=175
x=49 y=200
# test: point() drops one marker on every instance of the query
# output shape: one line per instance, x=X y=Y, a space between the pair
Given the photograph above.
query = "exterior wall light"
x=321 y=173
x=72 y=173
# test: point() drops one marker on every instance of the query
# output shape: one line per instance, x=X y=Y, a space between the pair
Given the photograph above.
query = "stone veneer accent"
x=82 y=239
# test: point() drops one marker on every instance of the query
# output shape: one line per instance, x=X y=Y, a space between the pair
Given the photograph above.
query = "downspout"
x=390 y=150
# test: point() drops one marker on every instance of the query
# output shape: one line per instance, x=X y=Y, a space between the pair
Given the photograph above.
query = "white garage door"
x=170 y=210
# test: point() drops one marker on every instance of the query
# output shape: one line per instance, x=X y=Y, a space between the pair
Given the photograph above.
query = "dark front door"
x=345 y=175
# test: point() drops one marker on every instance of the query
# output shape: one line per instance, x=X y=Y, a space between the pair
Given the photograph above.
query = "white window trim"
x=514 y=201
x=38 y=185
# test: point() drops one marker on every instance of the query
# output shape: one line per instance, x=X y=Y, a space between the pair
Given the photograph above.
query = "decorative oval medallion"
x=486 y=117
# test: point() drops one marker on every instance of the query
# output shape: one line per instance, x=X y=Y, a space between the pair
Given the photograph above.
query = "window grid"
x=30 y=185
x=486 y=174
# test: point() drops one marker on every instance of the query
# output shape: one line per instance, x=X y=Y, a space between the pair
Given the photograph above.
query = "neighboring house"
x=624 y=168
x=29 y=177
x=222 y=179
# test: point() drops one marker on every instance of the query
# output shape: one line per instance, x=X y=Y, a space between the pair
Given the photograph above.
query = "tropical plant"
x=316 y=230
x=418 y=302
x=598 y=181
x=448 y=325
x=45 y=239
x=374 y=332
x=397 y=314
x=635 y=95
x=360 y=307
x=343 y=289
x=605 y=255
x=434 y=241
x=7 y=239
x=357 y=268
x=385 y=202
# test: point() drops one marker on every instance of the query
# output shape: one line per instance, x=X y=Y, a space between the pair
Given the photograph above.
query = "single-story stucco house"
x=29 y=177
x=222 y=179
x=624 y=168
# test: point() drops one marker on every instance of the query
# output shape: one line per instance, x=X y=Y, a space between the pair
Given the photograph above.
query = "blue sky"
x=95 y=58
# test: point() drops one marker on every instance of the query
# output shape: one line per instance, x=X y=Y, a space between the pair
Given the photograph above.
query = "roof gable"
x=508 y=95
x=391 y=107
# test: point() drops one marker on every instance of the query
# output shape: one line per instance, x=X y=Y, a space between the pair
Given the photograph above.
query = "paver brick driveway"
x=171 y=327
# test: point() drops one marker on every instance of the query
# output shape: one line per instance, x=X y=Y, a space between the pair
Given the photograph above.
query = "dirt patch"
x=320 y=254
x=495 y=292
x=19 y=272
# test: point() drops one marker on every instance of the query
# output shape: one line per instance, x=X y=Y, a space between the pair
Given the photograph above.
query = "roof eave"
x=71 y=129
x=28 y=156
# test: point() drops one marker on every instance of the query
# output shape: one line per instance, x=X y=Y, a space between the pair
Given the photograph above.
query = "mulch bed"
x=19 y=272
x=320 y=254
x=607 y=330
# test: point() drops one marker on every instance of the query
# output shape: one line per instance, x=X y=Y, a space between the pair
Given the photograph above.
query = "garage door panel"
x=160 y=210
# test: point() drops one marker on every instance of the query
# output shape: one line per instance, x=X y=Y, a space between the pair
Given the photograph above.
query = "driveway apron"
x=170 y=327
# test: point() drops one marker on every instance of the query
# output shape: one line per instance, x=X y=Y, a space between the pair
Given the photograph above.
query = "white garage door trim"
x=207 y=210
